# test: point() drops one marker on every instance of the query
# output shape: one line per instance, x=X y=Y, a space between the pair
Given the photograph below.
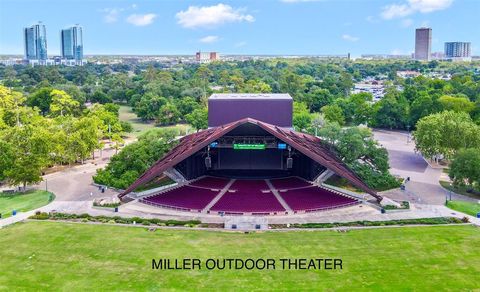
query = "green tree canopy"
x=445 y=133
x=465 y=168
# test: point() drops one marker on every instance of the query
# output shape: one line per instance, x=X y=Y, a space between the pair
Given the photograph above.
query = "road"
x=423 y=187
x=76 y=183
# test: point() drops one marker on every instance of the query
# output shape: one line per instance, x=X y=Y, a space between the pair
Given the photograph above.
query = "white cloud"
x=426 y=6
x=209 y=39
x=141 y=19
x=111 y=14
x=350 y=38
x=211 y=16
x=396 y=11
x=406 y=22
x=413 y=6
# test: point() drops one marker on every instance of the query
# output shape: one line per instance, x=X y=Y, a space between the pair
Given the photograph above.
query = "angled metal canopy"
x=308 y=145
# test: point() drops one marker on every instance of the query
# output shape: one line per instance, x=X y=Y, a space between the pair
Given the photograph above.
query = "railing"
x=167 y=206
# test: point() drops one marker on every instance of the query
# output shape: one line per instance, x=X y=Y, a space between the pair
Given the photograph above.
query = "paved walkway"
x=423 y=187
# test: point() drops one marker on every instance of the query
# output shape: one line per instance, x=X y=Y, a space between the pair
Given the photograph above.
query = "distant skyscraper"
x=458 y=50
x=35 y=42
x=423 y=43
x=71 y=40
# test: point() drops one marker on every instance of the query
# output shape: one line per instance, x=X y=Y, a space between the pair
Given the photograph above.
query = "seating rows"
x=314 y=198
x=211 y=182
x=184 y=197
x=248 y=198
x=289 y=183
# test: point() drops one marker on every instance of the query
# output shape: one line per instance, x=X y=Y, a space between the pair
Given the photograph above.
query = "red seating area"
x=289 y=183
x=211 y=182
x=183 y=198
x=248 y=198
x=314 y=199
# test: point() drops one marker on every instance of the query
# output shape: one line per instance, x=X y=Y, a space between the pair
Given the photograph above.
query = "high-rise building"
x=458 y=51
x=423 y=43
x=35 y=42
x=71 y=40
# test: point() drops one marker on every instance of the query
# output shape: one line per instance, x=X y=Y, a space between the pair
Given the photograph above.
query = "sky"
x=280 y=27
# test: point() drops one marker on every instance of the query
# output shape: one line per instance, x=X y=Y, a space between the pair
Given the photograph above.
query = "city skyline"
x=285 y=27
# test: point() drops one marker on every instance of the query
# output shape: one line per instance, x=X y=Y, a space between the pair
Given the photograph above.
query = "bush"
x=40 y=216
x=422 y=221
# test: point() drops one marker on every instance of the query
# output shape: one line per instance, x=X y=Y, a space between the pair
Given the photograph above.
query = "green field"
x=23 y=201
x=139 y=126
x=465 y=207
x=80 y=257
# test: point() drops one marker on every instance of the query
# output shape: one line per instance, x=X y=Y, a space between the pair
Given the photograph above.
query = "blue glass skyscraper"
x=35 y=42
x=71 y=40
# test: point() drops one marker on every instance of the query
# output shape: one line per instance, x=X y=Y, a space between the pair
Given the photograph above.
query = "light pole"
x=408 y=137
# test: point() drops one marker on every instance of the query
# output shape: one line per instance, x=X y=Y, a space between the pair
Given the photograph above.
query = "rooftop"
x=250 y=96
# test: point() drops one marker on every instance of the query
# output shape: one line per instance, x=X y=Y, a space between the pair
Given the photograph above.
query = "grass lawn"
x=459 y=190
x=23 y=201
x=139 y=126
x=340 y=182
x=465 y=207
x=80 y=257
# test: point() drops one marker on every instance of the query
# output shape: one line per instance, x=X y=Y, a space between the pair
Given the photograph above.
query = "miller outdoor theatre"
x=250 y=161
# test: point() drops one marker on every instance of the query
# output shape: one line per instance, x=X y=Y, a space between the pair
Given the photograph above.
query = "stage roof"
x=308 y=145
x=268 y=96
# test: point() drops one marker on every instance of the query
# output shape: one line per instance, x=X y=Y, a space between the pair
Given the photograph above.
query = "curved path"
x=423 y=187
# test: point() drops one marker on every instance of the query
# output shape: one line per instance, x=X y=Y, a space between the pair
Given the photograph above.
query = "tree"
x=302 y=119
x=423 y=105
x=168 y=114
x=198 y=118
x=465 y=168
x=134 y=159
x=357 y=148
x=456 y=104
x=62 y=103
x=31 y=146
x=391 y=112
x=7 y=158
x=148 y=106
x=445 y=133
x=256 y=86
x=333 y=113
x=100 y=97
x=11 y=103
x=186 y=105
x=42 y=99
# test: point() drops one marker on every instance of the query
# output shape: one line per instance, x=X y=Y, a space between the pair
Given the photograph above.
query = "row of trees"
x=167 y=96
x=30 y=141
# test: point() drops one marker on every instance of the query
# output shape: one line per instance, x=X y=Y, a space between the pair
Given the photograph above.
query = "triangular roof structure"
x=309 y=145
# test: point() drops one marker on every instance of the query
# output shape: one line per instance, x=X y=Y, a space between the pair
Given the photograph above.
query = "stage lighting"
x=289 y=162
x=208 y=162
